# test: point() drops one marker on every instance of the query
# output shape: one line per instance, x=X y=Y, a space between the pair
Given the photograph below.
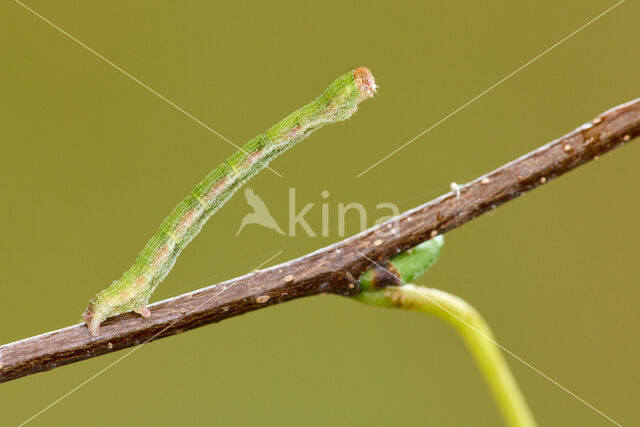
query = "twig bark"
x=332 y=269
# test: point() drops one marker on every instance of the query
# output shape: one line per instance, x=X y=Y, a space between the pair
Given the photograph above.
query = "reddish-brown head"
x=365 y=82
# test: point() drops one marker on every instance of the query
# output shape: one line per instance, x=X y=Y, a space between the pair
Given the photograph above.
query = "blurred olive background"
x=92 y=162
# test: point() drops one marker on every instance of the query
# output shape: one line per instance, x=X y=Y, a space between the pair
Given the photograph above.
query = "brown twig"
x=331 y=269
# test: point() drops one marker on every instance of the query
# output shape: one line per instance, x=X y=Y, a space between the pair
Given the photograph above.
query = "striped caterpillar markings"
x=132 y=292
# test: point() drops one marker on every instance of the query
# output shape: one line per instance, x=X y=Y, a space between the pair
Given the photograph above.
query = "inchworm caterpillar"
x=338 y=102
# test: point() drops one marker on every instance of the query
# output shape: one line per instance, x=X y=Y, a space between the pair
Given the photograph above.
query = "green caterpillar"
x=338 y=102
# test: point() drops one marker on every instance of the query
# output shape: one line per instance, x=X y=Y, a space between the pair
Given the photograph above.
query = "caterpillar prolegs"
x=338 y=102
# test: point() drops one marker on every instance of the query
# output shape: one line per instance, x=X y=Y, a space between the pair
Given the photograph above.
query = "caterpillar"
x=133 y=290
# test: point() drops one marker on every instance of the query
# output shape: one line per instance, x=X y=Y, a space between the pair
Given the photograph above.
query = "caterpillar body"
x=132 y=291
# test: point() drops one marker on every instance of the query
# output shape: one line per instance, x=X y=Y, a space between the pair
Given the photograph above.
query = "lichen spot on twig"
x=455 y=187
x=262 y=299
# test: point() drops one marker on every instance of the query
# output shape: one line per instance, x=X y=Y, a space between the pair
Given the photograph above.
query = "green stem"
x=475 y=332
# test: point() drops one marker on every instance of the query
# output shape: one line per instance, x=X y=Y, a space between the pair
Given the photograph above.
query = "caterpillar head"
x=365 y=83
x=344 y=95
